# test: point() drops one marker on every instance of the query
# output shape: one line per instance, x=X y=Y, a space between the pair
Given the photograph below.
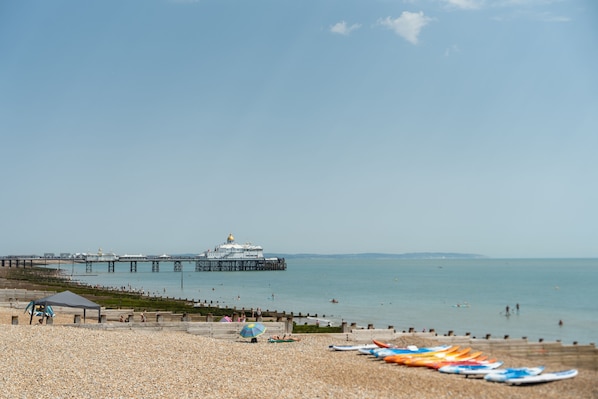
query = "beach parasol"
x=252 y=330
x=226 y=319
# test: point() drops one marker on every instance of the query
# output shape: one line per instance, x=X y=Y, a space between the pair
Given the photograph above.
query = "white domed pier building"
x=230 y=256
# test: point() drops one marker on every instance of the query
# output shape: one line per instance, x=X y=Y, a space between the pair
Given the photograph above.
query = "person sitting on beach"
x=122 y=318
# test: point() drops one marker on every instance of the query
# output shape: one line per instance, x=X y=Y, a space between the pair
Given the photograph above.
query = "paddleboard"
x=501 y=375
x=409 y=350
x=467 y=368
x=353 y=347
x=548 y=377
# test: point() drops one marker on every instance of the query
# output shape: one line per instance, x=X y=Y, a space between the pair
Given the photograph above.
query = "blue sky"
x=157 y=126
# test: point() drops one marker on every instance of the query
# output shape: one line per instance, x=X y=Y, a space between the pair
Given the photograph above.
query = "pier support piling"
x=178 y=266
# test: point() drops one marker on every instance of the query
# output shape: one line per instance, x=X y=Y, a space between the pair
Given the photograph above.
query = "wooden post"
x=289 y=325
x=15 y=320
x=344 y=328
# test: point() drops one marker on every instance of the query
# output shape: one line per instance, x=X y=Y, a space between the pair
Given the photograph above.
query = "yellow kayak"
x=401 y=358
x=457 y=357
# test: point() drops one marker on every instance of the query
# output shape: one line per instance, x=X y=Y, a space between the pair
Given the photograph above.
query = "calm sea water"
x=463 y=295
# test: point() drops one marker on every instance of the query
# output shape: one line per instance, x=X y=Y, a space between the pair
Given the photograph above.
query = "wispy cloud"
x=451 y=50
x=464 y=4
x=341 y=28
x=524 y=3
x=543 y=16
x=514 y=9
x=408 y=25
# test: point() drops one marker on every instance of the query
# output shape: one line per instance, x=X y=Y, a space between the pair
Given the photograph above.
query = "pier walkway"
x=201 y=263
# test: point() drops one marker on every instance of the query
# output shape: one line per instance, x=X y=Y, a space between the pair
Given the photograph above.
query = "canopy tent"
x=68 y=299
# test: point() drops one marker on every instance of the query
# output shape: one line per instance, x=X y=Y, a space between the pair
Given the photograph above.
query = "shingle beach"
x=62 y=361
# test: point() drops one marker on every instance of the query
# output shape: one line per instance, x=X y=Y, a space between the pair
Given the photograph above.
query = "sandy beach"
x=62 y=361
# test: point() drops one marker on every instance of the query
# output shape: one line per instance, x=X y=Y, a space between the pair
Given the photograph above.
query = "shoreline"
x=136 y=362
x=161 y=364
x=224 y=307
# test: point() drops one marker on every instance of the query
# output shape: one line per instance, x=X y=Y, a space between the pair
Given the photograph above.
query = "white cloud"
x=451 y=50
x=342 y=28
x=531 y=15
x=465 y=4
x=408 y=25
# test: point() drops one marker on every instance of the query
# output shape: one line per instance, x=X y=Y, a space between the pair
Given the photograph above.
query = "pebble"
x=62 y=361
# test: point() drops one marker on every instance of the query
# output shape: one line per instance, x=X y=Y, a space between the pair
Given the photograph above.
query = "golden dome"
x=230 y=238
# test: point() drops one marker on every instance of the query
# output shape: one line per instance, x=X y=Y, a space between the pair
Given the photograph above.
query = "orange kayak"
x=456 y=357
x=471 y=362
x=401 y=358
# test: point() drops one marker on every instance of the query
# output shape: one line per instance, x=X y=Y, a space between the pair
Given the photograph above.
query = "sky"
x=328 y=126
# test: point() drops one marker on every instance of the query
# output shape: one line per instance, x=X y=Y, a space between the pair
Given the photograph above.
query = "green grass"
x=42 y=278
x=310 y=328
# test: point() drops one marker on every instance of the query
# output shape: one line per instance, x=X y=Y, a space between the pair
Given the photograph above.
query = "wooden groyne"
x=217 y=330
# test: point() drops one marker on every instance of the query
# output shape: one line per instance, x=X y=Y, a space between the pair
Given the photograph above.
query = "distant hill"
x=413 y=255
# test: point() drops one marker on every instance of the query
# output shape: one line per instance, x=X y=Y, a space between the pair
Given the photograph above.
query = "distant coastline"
x=375 y=255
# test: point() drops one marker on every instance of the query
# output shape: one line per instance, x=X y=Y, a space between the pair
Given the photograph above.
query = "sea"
x=548 y=299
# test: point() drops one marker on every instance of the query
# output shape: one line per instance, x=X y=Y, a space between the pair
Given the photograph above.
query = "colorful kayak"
x=434 y=360
x=536 y=379
x=383 y=352
x=382 y=344
x=477 y=361
x=353 y=347
x=502 y=375
x=401 y=358
x=466 y=368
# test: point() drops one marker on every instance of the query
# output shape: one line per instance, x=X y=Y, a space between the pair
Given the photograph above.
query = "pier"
x=200 y=263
